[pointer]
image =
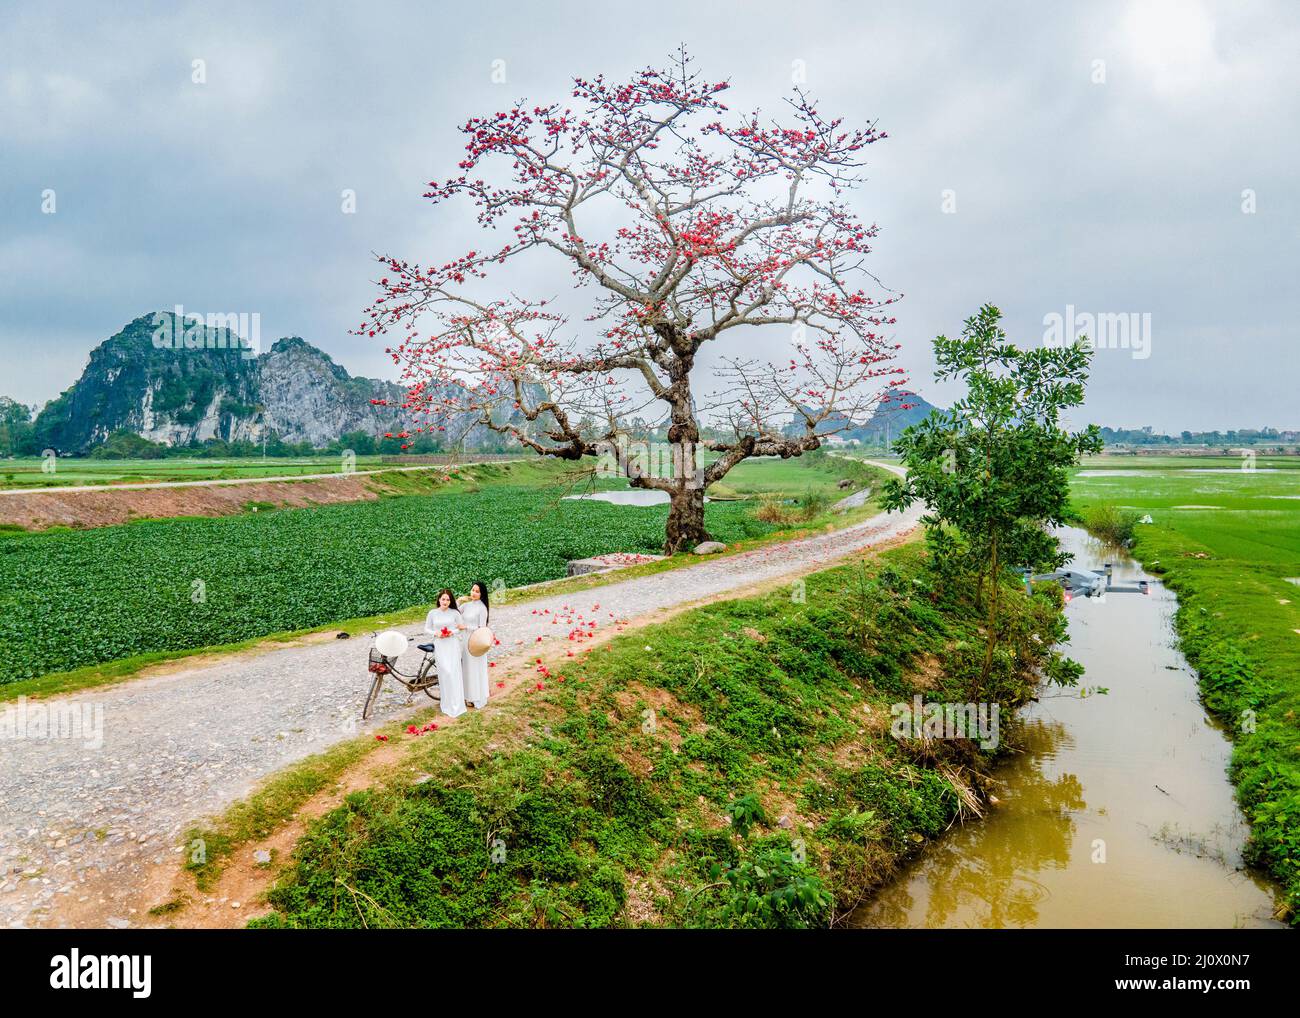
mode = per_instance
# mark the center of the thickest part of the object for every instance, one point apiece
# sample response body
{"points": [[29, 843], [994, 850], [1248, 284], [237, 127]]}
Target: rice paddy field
{"points": [[1237, 530], [1227, 541]]}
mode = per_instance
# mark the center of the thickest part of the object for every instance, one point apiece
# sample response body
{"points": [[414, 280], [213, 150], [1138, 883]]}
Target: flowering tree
{"points": [[685, 227]]}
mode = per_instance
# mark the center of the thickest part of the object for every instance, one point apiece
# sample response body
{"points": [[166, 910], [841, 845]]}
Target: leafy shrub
{"points": [[771, 889], [1111, 524], [812, 504]]}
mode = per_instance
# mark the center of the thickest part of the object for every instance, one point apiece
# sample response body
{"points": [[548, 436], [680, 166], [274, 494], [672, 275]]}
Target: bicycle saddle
{"points": [[426, 647]]}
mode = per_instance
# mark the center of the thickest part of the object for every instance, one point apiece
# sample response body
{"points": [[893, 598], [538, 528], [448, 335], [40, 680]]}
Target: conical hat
{"points": [[391, 643], [480, 641]]}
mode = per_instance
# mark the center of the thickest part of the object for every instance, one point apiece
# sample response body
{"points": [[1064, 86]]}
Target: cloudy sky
{"points": [[1124, 157]]}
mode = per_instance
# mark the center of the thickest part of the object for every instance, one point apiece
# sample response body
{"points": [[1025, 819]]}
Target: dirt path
{"points": [[85, 819]]}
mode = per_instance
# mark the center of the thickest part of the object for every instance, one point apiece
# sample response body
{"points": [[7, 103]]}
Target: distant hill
{"points": [[215, 387], [897, 410]]}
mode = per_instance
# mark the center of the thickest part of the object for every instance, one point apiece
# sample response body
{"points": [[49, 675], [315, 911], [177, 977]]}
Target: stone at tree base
{"points": [[709, 547], [604, 563]]}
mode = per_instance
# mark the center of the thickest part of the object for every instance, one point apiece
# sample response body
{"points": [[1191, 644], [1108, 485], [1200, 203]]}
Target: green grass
{"points": [[1238, 621], [729, 768], [1231, 461], [793, 478]]}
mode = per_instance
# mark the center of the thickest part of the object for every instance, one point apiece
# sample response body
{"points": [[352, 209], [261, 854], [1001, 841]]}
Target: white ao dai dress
{"points": [[447, 658], [475, 668]]}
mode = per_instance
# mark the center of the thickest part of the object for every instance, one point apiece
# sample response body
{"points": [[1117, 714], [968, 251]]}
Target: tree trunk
{"points": [[686, 506], [685, 519], [991, 640]]}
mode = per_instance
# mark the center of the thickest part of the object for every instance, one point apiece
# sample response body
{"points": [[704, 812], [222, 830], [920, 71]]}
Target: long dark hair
{"points": [[451, 594], [483, 596]]}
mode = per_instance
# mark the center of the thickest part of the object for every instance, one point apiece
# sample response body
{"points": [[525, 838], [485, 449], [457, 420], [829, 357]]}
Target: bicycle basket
{"points": [[379, 663]]}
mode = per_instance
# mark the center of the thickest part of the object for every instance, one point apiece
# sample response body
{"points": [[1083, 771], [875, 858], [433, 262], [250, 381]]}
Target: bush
{"points": [[770, 510], [1111, 524], [813, 504], [122, 445]]}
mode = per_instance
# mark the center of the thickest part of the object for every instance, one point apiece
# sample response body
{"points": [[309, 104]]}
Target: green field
{"points": [[749, 478], [1228, 543], [789, 478], [71, 599], [27, 473]]}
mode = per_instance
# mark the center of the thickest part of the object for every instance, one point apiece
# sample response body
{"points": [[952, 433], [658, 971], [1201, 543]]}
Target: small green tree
{"points": [[17, 433], [994, 469]]}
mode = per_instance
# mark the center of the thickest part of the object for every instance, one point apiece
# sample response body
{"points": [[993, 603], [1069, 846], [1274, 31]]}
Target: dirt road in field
{"points": [[99, 787]]}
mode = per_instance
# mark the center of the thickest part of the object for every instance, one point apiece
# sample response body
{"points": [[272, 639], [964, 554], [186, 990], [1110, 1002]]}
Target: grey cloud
{"points": [[1123, 196]]}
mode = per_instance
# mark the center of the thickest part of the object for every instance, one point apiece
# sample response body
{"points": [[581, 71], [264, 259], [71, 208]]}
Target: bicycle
{"points": [[424, 680]]}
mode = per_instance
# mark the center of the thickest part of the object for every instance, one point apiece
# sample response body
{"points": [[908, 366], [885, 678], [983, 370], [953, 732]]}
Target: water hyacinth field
{"points": [[71, 599]]}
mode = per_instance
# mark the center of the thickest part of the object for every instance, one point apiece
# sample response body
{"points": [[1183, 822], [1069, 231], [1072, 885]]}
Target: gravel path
{"points": [[184, 745]]}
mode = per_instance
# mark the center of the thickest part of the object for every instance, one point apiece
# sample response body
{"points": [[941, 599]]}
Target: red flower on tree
{"points": [[693, 230]]}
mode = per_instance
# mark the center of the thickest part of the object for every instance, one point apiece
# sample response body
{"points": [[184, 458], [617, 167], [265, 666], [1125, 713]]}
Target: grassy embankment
{"points": [[88, 607], [1228, 544], [731, 767]]}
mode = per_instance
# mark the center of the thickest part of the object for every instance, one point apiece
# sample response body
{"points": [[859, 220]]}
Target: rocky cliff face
{"points": [[201, 383], [306, 397]]}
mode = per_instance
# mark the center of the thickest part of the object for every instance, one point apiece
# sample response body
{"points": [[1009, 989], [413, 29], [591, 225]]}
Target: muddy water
{"points": [[1136, 778]]}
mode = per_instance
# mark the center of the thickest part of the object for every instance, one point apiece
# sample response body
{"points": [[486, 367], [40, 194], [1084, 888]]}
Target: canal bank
{"points": [[1117, 812]]}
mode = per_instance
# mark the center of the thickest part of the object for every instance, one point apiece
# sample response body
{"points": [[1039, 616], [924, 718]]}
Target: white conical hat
{"points": [[391, 643], [480, 641]]}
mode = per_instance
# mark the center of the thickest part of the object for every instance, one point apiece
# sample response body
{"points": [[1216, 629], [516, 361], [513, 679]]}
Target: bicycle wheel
{"points": [[372, 697], [431, 690]]}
